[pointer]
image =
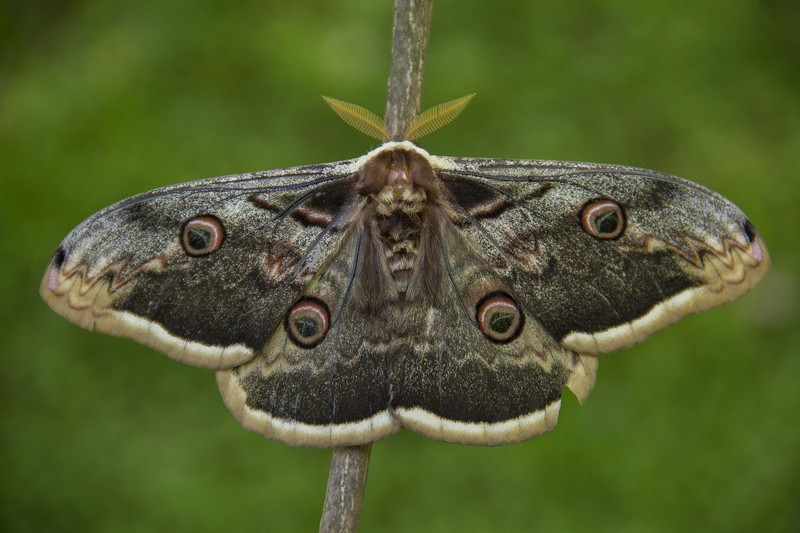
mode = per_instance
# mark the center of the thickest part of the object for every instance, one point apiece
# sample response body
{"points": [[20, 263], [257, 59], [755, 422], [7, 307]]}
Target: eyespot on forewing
{"points": [[603, 219], [202, 235]]}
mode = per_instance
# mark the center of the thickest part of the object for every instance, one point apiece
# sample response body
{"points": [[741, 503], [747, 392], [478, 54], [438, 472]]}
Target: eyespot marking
{"points": [[202, 235], [499, 317], [603, 219], [307, 322]]}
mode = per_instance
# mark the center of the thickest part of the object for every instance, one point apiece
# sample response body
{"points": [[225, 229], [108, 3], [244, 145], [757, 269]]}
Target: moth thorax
{"points": [[402, 186], [400, 194]]}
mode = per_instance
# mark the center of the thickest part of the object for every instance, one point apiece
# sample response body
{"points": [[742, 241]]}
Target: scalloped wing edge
{"points": [[389, 421], [89, 308], [736, 275], [382, 424]]}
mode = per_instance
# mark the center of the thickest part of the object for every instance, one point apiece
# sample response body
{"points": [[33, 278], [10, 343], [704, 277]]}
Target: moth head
{"points": [[398, 178]]}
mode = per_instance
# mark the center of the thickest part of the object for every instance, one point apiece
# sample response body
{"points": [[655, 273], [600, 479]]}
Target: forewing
{"points": [[683, 248], [128, 270]]}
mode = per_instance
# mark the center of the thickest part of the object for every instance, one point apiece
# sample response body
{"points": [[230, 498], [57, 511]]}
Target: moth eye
{"points": [[499, 317], [202, 235], [307, 322], [603, 219]]}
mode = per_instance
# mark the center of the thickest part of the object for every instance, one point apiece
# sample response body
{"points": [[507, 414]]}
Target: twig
{"points": [[412, 19], [412, 25], [346, 481]]}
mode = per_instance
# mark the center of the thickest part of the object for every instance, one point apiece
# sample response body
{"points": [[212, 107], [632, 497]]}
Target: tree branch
{"points": [[412, 25], [346, 481], [412, 19]]}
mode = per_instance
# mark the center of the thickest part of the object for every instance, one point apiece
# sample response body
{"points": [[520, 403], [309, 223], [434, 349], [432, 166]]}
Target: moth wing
{"points": [[453, 382], [683, 248], [319, 381], [518, 229], [141, 268]]}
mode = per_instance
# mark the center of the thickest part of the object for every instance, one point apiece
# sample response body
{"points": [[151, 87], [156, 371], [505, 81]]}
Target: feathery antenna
{"points": [[360, 118], [436, 117], [371, 124]]}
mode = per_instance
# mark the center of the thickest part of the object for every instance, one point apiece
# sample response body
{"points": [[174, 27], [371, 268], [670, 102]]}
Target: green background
{"points": [[697, 429]]}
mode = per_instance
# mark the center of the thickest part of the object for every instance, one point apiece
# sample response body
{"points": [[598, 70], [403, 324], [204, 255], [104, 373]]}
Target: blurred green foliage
{"points": [[697, 429]]}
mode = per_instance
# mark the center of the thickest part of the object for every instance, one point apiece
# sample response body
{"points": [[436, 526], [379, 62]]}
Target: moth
{"points": [[452, 296]]}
